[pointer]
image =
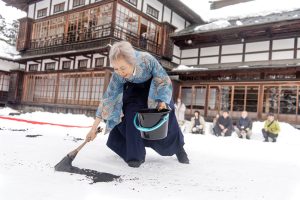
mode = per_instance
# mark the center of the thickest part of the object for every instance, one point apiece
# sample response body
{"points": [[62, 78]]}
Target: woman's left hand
{"points": [[161, 106]]}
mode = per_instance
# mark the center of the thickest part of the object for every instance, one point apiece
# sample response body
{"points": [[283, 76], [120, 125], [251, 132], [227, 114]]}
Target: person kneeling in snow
{"points": [[271, 128], [138, 82], [244, 126], [224, 125], [198, 123]]}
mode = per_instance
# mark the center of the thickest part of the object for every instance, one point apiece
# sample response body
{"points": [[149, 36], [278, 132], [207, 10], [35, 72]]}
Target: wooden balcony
{"points": [[79, 41]]}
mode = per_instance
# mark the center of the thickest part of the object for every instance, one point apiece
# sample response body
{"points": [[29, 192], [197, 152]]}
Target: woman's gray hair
{"points": [[123, 50]]}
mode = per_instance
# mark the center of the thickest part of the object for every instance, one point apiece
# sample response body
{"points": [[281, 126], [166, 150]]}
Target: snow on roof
{"points": [[257, 8], [213, 25], [8, 51], [186, 68]]}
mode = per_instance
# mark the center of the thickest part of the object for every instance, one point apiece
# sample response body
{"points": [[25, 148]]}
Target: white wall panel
{"points": [[231, 59], [257, 46], [178, 22], [189, 61], [167, 15], [175, 60], [176, 51], [283, 44], [189, 53], [256, 57], [282, 55], [209, 51], [235, 48], [210, 60], [31, 11]]}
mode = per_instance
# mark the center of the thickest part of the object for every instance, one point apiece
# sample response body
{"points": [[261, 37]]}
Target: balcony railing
{"points": [[89, 36]]}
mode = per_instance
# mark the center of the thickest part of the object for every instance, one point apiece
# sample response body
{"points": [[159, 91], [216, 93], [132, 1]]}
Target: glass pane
{"points": [[288, 100], [186, 96], [252, 98], [239, 97], [213, 99], [271, 99], [226, 93], [200, 94]]}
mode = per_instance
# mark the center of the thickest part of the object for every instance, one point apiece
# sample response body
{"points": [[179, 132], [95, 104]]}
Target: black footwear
{"points": [[274, 140], [247, 137], [182, 156], [266, 140], [135, 163], [240, 136]]}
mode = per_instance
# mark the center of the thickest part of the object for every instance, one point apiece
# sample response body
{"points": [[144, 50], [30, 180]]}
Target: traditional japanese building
{"points": [[64, 45], [247, 64]]}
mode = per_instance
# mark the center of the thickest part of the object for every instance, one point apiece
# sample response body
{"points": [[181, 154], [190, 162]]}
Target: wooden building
{"points": [[64, 45], [248, 64]]}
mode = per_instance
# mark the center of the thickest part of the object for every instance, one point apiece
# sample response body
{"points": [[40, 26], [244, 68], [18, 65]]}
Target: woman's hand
{"points": [[93, 134], [161, 105]]}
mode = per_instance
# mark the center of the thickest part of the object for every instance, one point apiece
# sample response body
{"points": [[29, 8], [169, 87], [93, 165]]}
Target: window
{"points": [[82, 63], [78, 3], [99, 62], [59, 7], [200, 95], [271, 99], [50, 66], [152, 12], [42, 13], [66, 65], [288, 100], [33, 67], [133, 2]]}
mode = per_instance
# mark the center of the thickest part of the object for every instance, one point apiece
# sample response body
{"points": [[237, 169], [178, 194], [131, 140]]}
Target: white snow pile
{"points": [[220, 168], [249, 9], [187, 68], [219, 24]]}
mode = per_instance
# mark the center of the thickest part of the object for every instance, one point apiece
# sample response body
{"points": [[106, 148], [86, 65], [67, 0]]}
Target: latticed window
{"points": [[99, 62], [42, 12], [66, 64], [78, 3], [82, 63], [133, 2], [59, 7], [152, 12], [33, 67], [50, 66]]}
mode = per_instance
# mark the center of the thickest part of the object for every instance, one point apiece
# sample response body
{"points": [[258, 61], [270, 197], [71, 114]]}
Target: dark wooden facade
{"points": [[59, 50]]}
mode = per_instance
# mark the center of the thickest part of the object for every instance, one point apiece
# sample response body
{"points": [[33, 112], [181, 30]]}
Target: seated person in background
{"points": [[198, 123], [271, 128], [244, 126], [224, 125]]}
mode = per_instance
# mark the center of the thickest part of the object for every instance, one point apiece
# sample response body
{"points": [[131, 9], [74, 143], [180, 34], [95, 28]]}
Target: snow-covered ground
{"points": [[221, 168]]}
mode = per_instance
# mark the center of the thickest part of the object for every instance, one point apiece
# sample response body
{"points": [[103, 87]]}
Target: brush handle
{"points": [[75, 151]]}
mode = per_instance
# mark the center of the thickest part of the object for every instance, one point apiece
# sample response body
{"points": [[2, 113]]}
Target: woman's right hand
{"points": [[92, 134]]}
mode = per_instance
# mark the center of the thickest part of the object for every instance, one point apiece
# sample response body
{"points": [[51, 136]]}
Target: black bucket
{"points": [[152, 124]]}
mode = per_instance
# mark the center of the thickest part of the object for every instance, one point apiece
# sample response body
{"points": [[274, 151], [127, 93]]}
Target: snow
{"points": [[213, 25], [8, 51], [186, 68], [221, 168], [243, 10]]}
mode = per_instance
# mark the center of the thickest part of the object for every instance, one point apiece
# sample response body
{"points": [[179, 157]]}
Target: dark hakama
{"points": [[125, 140]]}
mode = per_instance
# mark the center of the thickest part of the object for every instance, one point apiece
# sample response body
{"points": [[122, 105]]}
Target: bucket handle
{"points": [[158, 125]]}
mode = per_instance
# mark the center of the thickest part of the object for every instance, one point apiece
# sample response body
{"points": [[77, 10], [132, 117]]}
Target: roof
{"points": [[175, 5], [183, 10], [238, 23], [216, 4], [20, 4]]}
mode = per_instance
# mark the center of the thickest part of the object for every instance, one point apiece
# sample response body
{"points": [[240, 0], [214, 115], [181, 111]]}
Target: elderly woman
{"points": [[138, 82]]}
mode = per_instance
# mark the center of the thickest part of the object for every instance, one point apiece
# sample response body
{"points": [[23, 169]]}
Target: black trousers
{"points": [[267, 134]]}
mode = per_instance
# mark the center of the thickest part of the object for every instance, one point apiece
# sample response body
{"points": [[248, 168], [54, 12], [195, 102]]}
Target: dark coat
{"points": [[227, 123], [244, 123]]}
